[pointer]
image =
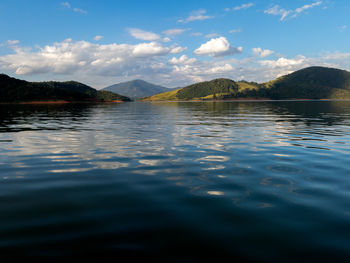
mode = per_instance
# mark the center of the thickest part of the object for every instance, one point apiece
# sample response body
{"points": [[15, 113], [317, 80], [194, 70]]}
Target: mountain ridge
{"points": [[308, 83], [136, 88], [14, 90]]}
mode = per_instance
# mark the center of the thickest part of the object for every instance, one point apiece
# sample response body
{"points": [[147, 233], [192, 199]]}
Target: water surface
{"points": [[176, 182]]}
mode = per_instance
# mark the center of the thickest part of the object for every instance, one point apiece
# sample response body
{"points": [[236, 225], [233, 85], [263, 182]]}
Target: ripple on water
{"points": [[261, 181]]}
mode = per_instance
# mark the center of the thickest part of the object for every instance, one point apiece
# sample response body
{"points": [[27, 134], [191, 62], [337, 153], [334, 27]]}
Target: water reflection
{"points": [[235, 172]]}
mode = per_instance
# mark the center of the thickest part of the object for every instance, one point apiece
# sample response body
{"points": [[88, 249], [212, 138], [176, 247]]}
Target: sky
{"points": [[170, 43]]}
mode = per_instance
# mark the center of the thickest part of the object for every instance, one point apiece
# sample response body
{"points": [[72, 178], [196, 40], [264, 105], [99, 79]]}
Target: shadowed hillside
{"points": [[15, 90], [311, 83]]}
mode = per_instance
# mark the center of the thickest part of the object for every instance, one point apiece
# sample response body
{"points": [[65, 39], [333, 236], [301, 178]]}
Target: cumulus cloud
{"points": [[69, 57], [177, 49], [190, 70], [217, 47], [195, 16], [184, 60], [262, 52], [143, 35], [220, 69], [278, 11], [103, 64], [174, 31], [250, 68], [97, 38], [284, 62], [150, 49]]}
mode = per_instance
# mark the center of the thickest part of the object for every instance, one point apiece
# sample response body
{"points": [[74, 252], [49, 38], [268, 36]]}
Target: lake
{"points": [[176, 182]]}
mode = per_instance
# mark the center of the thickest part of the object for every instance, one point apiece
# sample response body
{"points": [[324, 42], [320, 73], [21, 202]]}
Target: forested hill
{"points": [[15, 90], [308, 83], [312, 83]]}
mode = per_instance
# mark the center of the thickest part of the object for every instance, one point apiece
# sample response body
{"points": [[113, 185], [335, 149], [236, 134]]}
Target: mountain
{"points": [[308, 83], [136, 89], [209, 90], [312, 83], [15, 90]]}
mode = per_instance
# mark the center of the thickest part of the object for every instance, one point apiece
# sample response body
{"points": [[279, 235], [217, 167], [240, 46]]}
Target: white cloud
{"points": [[143, 35], [237, 30], [197, 15], [182, 60], [211, 35], [220, 69], [66, 4], [336, 56], [174, 31], [283, 62], [278, 11], [100, 65], [12, 42], [305, 7], [262, 52], [243, 6], [69, 57], [150, 49], [177, 49], [343, 28], [76, 10], [217, 47], [196, 34], [79, 10], [97, 38]]}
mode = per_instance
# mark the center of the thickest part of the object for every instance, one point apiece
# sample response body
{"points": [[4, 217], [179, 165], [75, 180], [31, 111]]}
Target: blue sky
{"points": [[172, 43]]}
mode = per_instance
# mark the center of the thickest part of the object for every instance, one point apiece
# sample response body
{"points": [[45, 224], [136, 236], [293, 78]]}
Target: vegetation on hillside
{"points": [[105, 95], [15, 90], [170, 95], [308, 83], [311, 83], [203, 89]]}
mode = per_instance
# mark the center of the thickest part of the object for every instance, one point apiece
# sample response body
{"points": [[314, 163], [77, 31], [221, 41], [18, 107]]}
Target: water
{"points": [[176, 182]]}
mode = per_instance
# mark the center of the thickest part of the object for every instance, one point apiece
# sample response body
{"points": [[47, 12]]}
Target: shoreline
{"points": [[58, 102], [48, 102], [244, 100]]}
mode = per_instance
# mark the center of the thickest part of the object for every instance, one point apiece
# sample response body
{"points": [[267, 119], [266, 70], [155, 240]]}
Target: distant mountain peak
{"points": [[136, 88]]}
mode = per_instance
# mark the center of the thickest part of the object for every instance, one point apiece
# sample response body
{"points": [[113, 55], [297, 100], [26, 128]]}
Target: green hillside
{"points": [[15, 90], [217, 87], [137, 89], [170, 95], [308, 83], [311, 83]]}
